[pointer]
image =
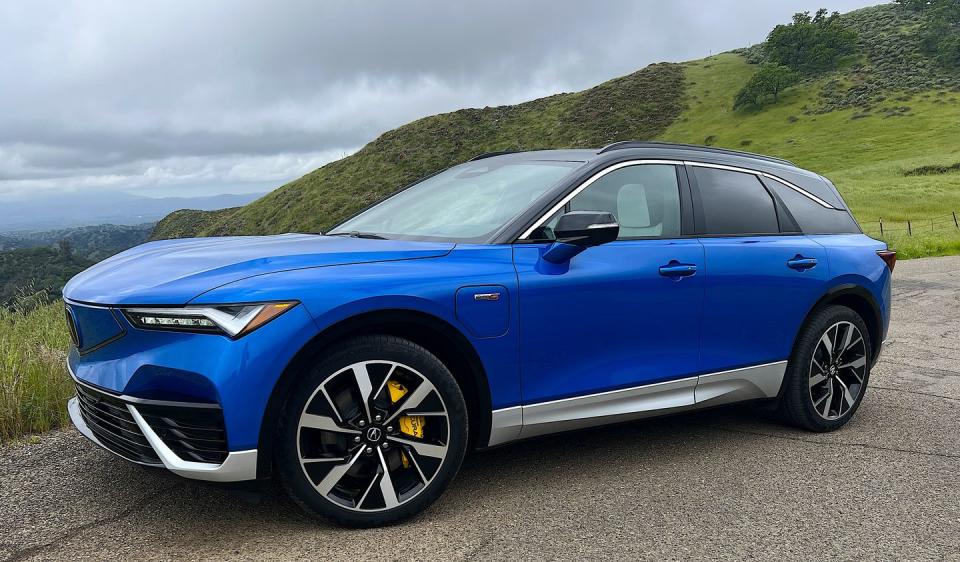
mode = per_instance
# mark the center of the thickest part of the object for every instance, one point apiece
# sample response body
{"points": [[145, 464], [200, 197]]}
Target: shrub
{"points": [[940, 36], [768, 82]]}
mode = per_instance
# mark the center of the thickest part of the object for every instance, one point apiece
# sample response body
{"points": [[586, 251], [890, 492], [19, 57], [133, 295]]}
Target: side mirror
{"points": [[578, 230]]}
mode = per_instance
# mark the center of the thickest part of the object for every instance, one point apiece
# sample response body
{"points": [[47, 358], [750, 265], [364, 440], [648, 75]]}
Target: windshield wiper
{"points": [[355, 234]]}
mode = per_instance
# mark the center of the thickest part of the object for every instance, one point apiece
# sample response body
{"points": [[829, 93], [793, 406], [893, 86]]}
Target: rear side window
{"points": [[735, 203], [812, 217]]}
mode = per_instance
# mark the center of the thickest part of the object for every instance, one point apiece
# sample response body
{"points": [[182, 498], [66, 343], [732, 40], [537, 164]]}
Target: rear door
{"points": [[763, 275]]}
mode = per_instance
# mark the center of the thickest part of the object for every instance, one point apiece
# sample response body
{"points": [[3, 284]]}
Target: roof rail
{"points": [[491, 154], [656, 144]]}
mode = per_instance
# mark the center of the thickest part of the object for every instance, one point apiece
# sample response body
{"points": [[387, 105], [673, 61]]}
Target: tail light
{"points": [[889, 257]]}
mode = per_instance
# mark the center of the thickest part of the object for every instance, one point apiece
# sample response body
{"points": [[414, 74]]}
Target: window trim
{"points": [[686, 182], [760, 174], [562, 204], [701, 227]]}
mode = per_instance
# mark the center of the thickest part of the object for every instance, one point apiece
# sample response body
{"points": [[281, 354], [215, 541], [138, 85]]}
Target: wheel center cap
{"points": [[374, 434]]}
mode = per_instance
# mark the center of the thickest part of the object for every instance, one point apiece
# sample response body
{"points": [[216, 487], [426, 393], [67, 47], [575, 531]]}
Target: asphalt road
{"points": [[722, 484]]}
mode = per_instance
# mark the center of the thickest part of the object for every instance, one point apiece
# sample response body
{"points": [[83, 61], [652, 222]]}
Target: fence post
{"points": [[955, 223], [881, 227], [909, 229]]}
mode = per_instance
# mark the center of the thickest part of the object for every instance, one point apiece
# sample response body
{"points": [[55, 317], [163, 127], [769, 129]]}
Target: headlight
{"points": [[232, 320]]}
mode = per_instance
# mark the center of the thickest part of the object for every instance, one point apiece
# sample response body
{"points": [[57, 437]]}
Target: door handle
{"points": [[801, 263], [677, 269]]}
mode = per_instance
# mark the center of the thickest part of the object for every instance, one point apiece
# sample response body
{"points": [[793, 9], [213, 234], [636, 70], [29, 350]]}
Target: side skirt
{"points": [[736, 385]]}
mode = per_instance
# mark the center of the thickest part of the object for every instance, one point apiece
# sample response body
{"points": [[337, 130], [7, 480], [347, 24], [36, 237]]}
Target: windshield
{"points": [[465, 203]]}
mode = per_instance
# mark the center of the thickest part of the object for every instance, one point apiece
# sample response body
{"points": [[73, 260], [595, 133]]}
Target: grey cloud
{"points": [[126, 95]]}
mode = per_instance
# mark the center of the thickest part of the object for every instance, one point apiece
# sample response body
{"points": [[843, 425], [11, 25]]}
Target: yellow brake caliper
{"points": [[409, 425]]}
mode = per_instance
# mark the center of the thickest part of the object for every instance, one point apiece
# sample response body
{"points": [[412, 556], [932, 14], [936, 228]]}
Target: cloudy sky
{"points": [[194, 98]]}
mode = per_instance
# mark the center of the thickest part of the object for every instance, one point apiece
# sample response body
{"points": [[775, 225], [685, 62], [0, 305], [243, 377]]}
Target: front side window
{"points": [[467, 203], [735, 203], [645, 198]]}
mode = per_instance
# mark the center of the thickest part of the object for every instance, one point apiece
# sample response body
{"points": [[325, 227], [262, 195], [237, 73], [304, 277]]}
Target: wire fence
{"points": [[913, 227]]}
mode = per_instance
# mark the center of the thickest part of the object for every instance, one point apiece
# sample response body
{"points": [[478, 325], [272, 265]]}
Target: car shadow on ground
{"points": [[503, 475]]}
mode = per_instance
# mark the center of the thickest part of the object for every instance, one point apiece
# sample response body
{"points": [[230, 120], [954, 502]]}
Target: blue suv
{"points": [[514, 295]]}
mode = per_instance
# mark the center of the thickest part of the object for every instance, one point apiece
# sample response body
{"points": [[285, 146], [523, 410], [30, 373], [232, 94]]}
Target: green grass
{"points": [[865, 157], [34, 384]]}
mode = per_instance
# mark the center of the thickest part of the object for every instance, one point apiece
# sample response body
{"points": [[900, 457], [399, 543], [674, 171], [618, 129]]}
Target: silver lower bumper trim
{"points": [[735, 385], [238, 466]]}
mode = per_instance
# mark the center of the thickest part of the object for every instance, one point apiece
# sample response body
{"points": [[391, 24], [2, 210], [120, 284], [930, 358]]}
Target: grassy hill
{"points": [[876, 126]]}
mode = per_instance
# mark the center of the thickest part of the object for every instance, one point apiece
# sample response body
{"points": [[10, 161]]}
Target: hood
{"points": [[172, 272]]}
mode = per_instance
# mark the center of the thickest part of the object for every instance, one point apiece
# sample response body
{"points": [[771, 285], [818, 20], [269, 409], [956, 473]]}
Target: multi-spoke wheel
{"points": [[837, 370], [375, 433], [827, 375]]}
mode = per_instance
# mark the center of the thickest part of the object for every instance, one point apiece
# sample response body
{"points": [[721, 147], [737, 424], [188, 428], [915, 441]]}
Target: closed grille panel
{"points": [[92, 327]]}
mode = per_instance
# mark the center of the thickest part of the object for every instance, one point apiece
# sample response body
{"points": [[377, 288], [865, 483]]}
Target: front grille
{"points": [[111, 423], [194, 434]]}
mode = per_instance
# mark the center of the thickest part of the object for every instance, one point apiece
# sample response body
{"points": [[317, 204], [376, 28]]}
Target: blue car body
{"points": [[557, 347]]}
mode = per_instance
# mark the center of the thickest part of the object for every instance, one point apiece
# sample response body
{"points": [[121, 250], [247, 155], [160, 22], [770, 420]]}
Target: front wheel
{"points": [[373, 434], [828, 372]]}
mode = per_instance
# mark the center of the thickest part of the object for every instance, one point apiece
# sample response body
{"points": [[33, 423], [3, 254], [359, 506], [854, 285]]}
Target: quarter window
{"points": [[735, 203], [645, 199], [812, 217]]}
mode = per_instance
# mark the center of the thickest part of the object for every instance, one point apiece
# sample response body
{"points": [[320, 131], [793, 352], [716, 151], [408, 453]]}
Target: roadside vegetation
{"points": [[34, 384]]}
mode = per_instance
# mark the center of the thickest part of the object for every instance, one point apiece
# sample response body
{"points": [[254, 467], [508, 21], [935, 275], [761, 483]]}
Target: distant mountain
{"points": [[65, 210], [89, 242]]}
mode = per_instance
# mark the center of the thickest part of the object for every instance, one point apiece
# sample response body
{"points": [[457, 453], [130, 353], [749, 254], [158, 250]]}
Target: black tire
{"points": [[293, 475], [799, 404]]}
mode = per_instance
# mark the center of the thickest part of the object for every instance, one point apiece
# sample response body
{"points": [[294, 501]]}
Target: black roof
{"points": [[590, 154], [620, 145]]}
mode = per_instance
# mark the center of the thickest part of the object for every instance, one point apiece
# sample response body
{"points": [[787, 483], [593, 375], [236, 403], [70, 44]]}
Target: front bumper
{"points": [[129, 436]]}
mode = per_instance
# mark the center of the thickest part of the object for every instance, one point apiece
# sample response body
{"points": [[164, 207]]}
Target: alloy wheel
{"points": [[837, 370], [373, 435]]}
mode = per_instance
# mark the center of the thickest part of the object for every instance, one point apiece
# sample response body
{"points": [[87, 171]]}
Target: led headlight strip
{"points": [[232, 320]]}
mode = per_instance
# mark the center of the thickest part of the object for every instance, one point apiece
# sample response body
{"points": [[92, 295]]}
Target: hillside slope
{"points": [[888, 111], [640, 105]]}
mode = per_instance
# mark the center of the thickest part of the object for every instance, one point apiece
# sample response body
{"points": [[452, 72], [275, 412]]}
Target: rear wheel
{"points": [[373, 434], [828, 373]]}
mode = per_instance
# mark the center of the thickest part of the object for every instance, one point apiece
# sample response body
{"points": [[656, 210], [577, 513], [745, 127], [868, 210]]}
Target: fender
{"points": [[873, 317], [455, 350]]}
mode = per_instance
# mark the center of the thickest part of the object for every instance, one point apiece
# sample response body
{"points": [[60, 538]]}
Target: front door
{"points": [[623, 315]]}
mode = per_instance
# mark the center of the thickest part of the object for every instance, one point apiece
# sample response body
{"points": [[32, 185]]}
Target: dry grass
{"points": [[34, 383]]}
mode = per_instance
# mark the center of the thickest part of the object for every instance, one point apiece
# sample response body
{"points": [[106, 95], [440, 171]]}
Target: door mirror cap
{"points": [[587, 228], [578, 230]]}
